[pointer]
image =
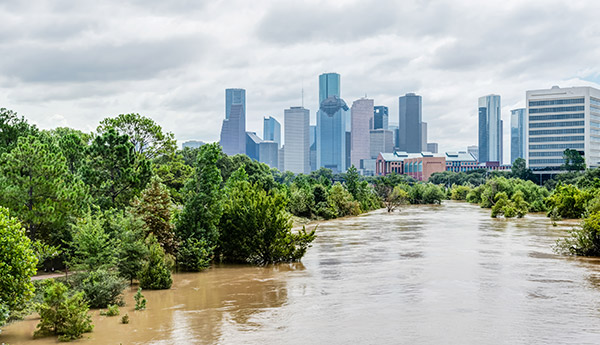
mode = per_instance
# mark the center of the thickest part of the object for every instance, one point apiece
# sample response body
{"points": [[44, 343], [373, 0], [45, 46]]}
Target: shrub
{"points": [[140, 300], [101, 287], [459, 192], [155, 274], [125, 319], [62, 315], [194, 255], [113, 310], [568, 201], [342, 202], [583, 241]]}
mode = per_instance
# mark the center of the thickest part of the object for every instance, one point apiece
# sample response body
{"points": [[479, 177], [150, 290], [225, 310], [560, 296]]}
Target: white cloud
{"points": [[172, 60]]}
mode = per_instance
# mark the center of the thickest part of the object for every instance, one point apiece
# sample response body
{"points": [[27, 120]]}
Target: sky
{"points": [[73, 63]]}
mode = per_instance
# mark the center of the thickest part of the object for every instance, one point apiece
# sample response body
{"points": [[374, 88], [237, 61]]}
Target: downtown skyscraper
{"points": [[331, 124], [362, 113], [490, 129], [272, 130], [410, 124], [233, 130], [517, 134], [297, 140]]}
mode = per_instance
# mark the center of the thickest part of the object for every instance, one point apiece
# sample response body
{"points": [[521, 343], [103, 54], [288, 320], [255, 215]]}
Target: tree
{"points": [[91, 247], [568, 201], [145, 135], [113, 171], [342, 201], [352, 181], [101, 287], [203, 209], [12, 128], [256, 228], [155, 275], [154, 208], [519, 170], [194, 255], [574, 161], [174, 173], [17, 265], [584, 240], [393, 197], [131, 254], [62, 315], [36, 185]]}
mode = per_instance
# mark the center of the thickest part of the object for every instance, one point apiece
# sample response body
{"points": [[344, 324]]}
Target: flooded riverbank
{"points": [[426, 275]]}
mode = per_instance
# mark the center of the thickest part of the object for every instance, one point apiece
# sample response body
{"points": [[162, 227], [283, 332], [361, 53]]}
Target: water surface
{"points": [[445, 274]]}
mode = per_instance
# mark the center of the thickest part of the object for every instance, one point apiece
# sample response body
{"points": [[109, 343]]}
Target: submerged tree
{"points": [[574, 161]]}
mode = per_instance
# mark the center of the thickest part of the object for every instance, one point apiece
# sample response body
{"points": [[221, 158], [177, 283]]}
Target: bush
{"points": [[194, 255], [568, 201], [583, 241], [140, 300], [62, 315], [125, 319], [155, 274], [101, 287], [459, 192], [342, 202], [113, 310]]}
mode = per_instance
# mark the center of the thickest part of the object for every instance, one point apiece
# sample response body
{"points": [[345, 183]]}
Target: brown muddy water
{"points": [[444, 274]]}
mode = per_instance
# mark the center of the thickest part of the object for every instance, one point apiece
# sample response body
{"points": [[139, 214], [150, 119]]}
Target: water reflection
{"points": [[445, 274]]}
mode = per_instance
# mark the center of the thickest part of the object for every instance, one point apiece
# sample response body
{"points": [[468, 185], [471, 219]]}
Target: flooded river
{"points": [[444, 274]]}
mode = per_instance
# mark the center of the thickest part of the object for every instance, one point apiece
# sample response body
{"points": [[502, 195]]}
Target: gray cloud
{"points": [[73, 63]]}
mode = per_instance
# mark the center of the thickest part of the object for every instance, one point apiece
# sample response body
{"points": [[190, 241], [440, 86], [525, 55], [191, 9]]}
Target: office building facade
{"points": [[329, 85], [490, 129], [272, 130], [558, 119], [409, 123], [331, 134], [233, 130], [297, 140], [269, 153], [380, 117], [517, 134], [362, 113]]}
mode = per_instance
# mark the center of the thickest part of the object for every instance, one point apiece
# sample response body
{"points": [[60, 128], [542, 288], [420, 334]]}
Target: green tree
{"points": [[256, 228], [194, 255], [36, 185], [174, 173], [12, 127], [352, 180], [147, 137], [342, 202], [584, 240], [203, 209], [62, 315], [101, 287], [154, 208], [459, 192], [393, 197], [113, 170], [155, 273], [132, 253], [519, 170], [17, 265], [92, 248], [574, 161], [567, 201]]}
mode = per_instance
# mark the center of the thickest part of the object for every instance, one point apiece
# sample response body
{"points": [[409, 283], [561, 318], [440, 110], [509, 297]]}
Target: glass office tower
{"points": [[490, 129], [233, 131], [517, 134]]}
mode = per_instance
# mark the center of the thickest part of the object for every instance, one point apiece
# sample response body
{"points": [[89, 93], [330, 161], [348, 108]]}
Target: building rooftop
{"points": [[459, 156]]}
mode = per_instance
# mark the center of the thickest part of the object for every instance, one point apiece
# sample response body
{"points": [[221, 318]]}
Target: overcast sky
{"points": [[72, 63]]}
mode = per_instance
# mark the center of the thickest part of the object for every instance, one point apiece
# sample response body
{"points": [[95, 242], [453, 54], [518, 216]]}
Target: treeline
{"points": [[574, 194]]}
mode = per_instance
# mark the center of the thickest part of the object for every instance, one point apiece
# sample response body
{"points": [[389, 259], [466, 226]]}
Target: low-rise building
{"points": [[421, 168], [461, 161]]}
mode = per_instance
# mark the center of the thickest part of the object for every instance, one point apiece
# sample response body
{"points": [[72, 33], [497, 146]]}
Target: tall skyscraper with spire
{"points": [[233, 130]]}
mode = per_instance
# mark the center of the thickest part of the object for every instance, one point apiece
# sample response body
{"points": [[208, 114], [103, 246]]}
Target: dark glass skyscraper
{"points": [[380, 117], [233, 131], [490, 129], [409, 123], [332, 118]]}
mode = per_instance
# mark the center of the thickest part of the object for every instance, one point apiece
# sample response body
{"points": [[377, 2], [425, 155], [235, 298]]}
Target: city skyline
{"points": [[74, 65]]}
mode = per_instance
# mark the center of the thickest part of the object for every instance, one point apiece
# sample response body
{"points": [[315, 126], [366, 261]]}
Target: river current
{"points": [[441, 274]]}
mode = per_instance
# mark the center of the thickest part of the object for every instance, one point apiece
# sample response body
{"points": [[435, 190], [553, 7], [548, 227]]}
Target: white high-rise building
{"points": [[558, 119], [361, 118], [297, 140]]}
